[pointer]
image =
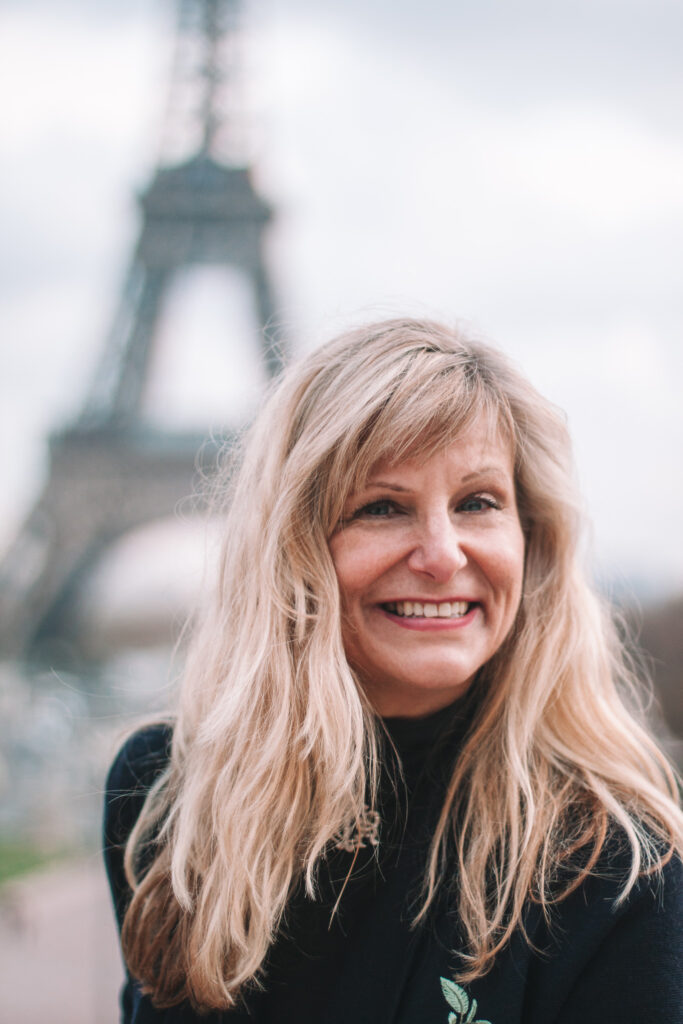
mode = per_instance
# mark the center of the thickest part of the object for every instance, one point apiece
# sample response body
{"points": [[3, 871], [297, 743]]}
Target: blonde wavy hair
{"points": [[276, 749]]}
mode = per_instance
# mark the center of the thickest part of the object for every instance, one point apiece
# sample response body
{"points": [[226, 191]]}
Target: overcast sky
{"points": [[519, 166]]}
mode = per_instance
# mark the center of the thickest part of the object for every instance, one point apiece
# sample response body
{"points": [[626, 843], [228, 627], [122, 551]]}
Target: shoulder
{"points": [[137, 765], [141, 758], [654, 911], [654, 892], [655, 900], [140, 761], [614, 958]]}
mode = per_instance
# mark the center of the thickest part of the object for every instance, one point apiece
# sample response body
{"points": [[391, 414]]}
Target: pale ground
{"points": [[59, 958]]}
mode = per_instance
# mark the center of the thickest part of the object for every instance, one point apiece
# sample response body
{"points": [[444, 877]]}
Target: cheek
{"points": [[505, 569], [513, 571], [359, 563], [348, 566]]}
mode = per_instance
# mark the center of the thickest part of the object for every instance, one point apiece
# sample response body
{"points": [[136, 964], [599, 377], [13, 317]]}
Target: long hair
{"points": [[275, 748]]}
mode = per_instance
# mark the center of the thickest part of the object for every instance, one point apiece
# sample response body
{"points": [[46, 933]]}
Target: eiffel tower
{"points": [[110, 471]]}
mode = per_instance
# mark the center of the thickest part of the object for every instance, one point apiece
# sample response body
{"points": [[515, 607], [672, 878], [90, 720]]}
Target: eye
{"points": [[375, 510], [478, 503]]}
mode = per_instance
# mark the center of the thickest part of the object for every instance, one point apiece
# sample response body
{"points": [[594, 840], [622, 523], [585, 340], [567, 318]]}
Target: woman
{"points": [[406, 781]]}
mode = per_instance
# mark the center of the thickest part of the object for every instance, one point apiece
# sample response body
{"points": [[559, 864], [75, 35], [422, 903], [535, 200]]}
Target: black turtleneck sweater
{"points": [[596, 964]]}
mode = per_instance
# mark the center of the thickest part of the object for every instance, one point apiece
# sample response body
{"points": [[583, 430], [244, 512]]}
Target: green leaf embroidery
{"points": [[457, 997]]}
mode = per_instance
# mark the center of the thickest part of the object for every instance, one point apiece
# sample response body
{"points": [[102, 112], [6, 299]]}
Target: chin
{"points": [[414, 697]]}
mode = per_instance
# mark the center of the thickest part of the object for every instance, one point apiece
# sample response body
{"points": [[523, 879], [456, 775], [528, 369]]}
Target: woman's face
{"points": [[430, 559]]}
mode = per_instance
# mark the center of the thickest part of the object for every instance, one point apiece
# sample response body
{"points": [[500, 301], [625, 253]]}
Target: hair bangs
{"points": [[436, 400]]}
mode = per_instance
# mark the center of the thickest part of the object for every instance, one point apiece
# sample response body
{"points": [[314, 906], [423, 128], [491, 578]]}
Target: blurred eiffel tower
{"points": [[110, 471]]}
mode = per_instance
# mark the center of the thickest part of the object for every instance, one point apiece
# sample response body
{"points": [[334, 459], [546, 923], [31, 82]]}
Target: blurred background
{"points": [[181, 181]]}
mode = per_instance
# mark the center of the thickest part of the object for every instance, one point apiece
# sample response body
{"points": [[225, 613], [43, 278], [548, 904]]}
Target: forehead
{"points": [[481, 447]]}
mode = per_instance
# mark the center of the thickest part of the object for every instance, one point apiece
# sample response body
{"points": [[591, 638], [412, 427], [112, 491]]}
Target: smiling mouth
{"points": [[428, 609]]}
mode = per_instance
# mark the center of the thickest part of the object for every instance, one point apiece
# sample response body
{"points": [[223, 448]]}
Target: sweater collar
{"points": [[414, 735]]}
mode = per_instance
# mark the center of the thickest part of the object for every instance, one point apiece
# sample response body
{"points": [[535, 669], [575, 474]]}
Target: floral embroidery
{"points": [[463, 1009], [354, 834]]}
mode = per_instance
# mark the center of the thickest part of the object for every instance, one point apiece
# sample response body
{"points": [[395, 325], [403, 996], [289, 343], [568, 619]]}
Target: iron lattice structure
{"points": [[110, 472]]}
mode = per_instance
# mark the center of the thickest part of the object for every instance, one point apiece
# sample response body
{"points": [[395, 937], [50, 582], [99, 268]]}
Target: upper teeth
{"points": [[444, 610]]}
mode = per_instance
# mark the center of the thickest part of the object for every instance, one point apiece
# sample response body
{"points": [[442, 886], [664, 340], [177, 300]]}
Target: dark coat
{"points": [[598, 963]]}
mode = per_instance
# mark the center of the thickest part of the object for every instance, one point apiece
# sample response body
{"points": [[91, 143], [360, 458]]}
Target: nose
{"points": [[438, 553]]}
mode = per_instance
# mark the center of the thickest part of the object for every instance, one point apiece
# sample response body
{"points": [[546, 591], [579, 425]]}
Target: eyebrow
{"points": [[498, 470], [388, 486]]}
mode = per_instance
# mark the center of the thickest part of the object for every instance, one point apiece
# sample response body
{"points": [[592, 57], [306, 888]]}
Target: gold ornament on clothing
{"points": [[358, 834]]}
